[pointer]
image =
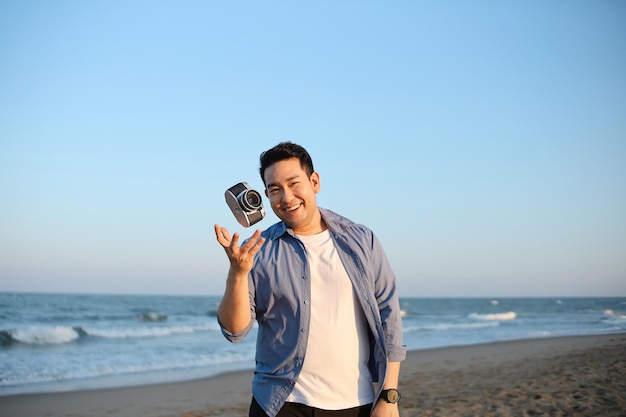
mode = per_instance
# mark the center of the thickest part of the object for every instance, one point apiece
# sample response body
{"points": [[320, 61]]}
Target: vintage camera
{"points": [[245, 203]]}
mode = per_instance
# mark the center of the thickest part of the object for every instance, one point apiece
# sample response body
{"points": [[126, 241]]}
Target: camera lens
{"points": [[251, 200]]}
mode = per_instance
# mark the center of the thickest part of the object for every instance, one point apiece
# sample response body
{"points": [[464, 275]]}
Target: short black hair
{"points": [[282, 151]]}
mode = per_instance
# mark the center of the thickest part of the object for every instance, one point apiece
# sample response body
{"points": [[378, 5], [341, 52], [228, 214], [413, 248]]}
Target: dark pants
{"points": [[301, 410]]}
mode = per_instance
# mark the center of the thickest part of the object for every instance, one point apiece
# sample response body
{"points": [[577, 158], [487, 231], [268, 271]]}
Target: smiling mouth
{"points": [[292, 208]]}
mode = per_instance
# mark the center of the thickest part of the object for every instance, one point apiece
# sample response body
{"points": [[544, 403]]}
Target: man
{"points": [[324, 296]]}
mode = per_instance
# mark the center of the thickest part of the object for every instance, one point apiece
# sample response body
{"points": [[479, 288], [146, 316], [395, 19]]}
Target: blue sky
{"points": [[484, 142]]}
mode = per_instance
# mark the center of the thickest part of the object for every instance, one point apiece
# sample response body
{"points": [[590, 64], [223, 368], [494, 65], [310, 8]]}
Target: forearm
{"points": [[234, 309], [382, 407], [393, 375]]}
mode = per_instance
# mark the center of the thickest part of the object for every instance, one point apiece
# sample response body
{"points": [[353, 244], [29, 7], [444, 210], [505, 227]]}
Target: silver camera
{"points": [[245, 203]]}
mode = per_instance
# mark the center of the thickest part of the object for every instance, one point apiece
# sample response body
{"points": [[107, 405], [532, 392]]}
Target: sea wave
{"points": [[615, 318], [142, 332], [204, 364], [449, 326], [511, 315], [612, 314], [41, 335], [56, 335], [151, 316]]}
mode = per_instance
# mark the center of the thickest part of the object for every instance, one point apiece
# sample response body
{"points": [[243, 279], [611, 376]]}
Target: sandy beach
{"points": [[569, 376]]}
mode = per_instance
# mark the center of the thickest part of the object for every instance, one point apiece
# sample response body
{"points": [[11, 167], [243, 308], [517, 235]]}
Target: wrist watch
{"points": [[391, 395]]}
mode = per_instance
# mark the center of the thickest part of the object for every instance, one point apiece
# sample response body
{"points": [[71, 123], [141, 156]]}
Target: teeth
{"points": [[292, 208]]}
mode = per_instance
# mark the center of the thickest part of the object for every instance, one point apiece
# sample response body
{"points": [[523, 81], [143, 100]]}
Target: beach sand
{"points": [[568, 376]]}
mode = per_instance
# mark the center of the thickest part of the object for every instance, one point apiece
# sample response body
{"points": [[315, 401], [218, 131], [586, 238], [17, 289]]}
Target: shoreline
{"points": [[569, 375]]}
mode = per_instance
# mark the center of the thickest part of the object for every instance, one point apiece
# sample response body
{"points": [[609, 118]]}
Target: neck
{"points": [[317, 226]]}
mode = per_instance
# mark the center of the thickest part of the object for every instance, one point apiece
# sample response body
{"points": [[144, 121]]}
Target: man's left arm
{"points": [[382, 407], [389, 307]]}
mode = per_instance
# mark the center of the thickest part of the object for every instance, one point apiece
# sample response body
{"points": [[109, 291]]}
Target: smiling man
{"points": [[324, 296]]}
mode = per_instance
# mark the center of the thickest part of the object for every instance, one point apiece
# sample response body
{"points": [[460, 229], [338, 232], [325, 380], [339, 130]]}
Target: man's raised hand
{"points": [[241, 257]]}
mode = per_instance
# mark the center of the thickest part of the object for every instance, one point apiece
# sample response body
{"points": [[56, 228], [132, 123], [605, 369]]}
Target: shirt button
{"points": [[306, 301], [302, 330]]}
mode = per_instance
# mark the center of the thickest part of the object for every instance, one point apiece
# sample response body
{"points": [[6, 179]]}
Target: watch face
{"points": [[393, 396]]}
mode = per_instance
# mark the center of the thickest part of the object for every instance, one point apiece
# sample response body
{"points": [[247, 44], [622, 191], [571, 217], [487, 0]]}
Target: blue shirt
{"points": [[280, 293]]}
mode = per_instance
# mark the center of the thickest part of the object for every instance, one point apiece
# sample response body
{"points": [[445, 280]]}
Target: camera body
{"points": [[245, 203]]}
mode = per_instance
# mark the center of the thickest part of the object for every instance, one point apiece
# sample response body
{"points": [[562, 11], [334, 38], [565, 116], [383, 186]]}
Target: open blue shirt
{"points": [[280, 294]]}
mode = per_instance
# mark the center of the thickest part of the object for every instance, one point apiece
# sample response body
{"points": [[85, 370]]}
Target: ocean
{"points": [[63, 342]]}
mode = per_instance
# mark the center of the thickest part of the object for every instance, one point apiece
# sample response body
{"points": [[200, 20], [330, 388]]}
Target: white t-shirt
{"points": [[335, 374]]}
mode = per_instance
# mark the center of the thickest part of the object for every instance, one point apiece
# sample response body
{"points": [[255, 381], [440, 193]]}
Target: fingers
{"points": [[219, 231], [257, 246], [254, 243], [224, 238], [241, 258], [222, 235]]}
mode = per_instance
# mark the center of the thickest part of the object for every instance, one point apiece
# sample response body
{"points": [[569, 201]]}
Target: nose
{"points": [[287, 195]]}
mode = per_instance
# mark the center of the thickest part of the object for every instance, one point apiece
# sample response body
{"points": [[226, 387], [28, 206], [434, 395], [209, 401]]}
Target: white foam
{"points": [[615, 318], [511, 315], [41, 335], [450, 326], [612, 314], [142, 332]]}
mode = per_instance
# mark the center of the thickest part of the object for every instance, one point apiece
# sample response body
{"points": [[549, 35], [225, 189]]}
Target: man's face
{"points": [[292, 196]]}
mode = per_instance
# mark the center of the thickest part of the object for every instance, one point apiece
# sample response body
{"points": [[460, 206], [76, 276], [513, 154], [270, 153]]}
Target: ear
{"points": [[266, 193], [315, 181]]}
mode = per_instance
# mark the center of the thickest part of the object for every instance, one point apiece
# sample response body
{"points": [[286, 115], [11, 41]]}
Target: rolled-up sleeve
{"points": [[388, 304], [236, 337]]}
